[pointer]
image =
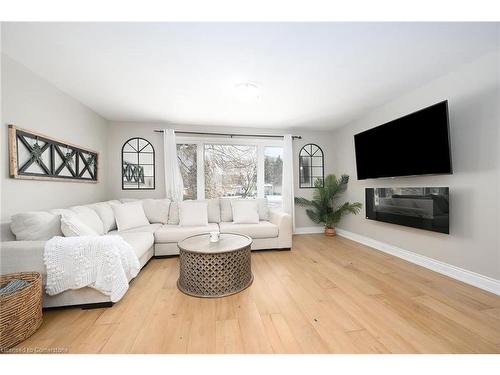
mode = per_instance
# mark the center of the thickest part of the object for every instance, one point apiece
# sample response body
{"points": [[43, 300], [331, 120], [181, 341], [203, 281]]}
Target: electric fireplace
{"points": [[418, 207]]}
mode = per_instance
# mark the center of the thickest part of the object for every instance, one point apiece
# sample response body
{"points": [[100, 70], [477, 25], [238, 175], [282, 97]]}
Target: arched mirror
{"points": [[138, 165], [311, 166]]}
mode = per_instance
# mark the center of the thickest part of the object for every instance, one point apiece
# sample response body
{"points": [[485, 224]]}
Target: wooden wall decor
{"points": [[35, 156]]}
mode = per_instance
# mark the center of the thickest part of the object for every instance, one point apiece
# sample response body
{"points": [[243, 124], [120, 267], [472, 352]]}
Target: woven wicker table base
{"points": [[212, 272]]}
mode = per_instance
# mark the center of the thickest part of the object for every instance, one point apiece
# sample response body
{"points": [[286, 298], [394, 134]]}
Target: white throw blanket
{"points": [[105, 263]]}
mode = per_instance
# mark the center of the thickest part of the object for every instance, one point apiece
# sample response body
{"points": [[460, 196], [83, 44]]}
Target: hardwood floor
{"points": [[327, 295]]}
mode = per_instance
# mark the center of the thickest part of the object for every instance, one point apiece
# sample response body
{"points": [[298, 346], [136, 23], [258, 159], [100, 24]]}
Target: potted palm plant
{"points": [[324, 208]]}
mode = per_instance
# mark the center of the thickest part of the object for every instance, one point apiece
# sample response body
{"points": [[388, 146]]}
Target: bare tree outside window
{"points": [[186, 153], [273, 175], [230, 171]]}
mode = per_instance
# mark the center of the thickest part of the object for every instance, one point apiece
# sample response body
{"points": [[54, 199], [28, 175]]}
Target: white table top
{"points": [[228, 242]]}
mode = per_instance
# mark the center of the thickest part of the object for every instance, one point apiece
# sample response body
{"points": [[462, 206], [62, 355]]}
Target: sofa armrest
{"points": [[284, 223], [22, 256]]}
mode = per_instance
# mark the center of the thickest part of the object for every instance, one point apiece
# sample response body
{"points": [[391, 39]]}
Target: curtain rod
{"points": [[234, 135]]}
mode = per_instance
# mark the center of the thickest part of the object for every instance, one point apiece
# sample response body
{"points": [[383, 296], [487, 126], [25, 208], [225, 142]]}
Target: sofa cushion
{"points": [[141, 242], [213, 211], [89, 217], [245, 211], [193, 213], [264, 229], [156, 210], [36, 226], [173, 214], [62, 211], [150, 228], [130, 215], [106, 214], [72, 226], [226, 211], [128, 200], [174, 233], [227, 214]]}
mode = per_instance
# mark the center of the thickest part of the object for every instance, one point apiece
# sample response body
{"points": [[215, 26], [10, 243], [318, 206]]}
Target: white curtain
{"points": [[174, 187], [287, 189]]}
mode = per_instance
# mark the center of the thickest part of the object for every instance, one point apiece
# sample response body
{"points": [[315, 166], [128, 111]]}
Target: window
{"points": [[311, 166], [273, 175], [230, 171], [138, 165], [221, 167], [186, 153]]}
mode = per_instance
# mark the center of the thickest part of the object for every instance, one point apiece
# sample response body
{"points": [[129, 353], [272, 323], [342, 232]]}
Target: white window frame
{"points": [[261, 144]]}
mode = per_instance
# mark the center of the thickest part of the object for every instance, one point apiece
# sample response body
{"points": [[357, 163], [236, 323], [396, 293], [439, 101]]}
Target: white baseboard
{"points": [[309, 230], [480, 281]]}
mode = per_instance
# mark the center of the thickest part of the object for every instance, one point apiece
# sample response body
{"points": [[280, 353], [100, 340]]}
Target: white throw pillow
{"points": [[106, 214], [35, 226], [89, 217], [213, 209], [193, 213], [62, 211], [72, 226], [156, 210], [245, 211], [130, 215], [226, 208]]}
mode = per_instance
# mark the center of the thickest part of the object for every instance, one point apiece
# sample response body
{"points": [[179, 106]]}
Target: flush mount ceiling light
{"points": [[247, 92]]}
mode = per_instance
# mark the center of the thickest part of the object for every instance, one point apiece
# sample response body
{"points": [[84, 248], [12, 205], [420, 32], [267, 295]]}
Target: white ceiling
{"points": [[314, 75]]}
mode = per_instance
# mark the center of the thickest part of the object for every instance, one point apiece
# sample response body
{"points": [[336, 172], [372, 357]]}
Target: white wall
{"points": [[32, 103], [120, 132], [474, 106]]}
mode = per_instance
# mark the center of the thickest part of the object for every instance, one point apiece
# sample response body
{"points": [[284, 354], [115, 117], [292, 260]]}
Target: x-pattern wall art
{"points": [[38, 157]]}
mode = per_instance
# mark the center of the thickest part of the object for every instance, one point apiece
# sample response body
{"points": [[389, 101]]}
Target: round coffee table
{"points": [[214, 269]]}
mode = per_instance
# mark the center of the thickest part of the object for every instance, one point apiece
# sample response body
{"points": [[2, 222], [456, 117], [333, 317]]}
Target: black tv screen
{"points": [[416, 144]]}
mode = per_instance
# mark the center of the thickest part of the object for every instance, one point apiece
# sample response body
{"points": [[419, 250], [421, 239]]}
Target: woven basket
{"points": [[20, 311]]}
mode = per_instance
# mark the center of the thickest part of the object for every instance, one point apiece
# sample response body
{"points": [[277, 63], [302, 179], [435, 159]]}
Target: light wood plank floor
{"points": [[327, 295]]}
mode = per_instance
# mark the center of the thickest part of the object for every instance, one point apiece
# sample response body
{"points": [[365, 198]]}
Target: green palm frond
{"points": [[303, 202], [321, 208], [314, 216]]}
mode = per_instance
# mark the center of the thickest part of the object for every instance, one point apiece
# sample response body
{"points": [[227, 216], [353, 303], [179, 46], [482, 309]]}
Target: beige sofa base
{"points": [[282, 241], [27, 257], [86, 297], [171, 249]]}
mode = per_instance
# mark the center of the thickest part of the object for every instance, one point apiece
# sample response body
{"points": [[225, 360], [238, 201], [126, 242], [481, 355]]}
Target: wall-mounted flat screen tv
{"points": [[416, 144]]}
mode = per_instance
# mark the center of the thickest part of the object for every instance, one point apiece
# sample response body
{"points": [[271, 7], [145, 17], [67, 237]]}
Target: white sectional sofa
{"points": [[23, 239]]}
